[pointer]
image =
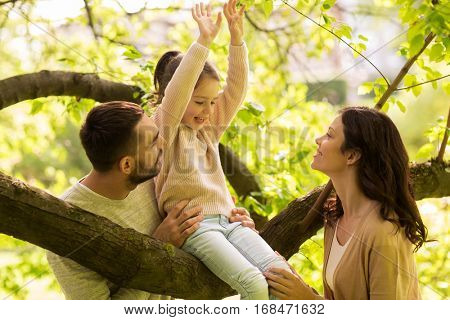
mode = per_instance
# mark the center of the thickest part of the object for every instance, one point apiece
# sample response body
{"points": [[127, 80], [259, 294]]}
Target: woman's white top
{"points": [[336, 253]]}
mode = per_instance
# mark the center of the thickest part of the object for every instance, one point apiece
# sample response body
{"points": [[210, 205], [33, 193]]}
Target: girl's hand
{"points": [[243, 216], [235, 21], [288, 286], [208, 28]]}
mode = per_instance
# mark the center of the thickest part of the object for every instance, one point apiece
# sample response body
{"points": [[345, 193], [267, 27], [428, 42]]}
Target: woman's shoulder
{"points": [[378, 229]]}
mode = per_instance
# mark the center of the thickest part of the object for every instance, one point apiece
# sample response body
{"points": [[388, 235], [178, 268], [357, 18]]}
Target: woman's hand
{"points": [[208, 28], [287, 286], [235, 21]]}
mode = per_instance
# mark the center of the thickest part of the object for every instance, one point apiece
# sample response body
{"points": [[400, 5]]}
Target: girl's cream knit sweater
{"points": [[191, 166]]}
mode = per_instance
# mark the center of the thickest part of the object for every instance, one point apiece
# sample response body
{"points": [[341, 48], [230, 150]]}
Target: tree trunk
{"points": [[134, 260]]}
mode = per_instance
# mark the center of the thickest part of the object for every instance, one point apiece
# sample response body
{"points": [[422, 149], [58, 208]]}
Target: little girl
{"points": [[192, 117]]}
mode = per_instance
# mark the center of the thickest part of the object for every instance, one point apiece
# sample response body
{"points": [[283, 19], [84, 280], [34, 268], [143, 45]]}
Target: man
{"points": [[124, 147]]}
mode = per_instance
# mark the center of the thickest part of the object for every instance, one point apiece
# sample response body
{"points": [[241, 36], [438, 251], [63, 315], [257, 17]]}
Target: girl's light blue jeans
{"points": [[236, 254]]}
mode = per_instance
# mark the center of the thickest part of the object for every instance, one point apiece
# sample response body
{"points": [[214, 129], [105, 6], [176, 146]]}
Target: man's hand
{"points": [[179, 224], [243, 216]]}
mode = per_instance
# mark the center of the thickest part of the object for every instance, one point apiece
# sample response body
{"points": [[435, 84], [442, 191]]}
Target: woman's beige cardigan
{"points": [[378, 263]]}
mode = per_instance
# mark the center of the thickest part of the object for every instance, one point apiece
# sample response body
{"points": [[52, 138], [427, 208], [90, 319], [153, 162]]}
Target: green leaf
{"points": [[425, 152], [361, 47], [328, 19], [362, 37], [416, 44], [446, 87], [365, 88], [254, 108], [132, 53], [446, 42], [410, 80], [344, 31], [328, 4], [245, 116], [434, 85], [436, 52], [36, 106], [431, 75], [267, 7], [403, 51], [416, 90], [401, 106]]}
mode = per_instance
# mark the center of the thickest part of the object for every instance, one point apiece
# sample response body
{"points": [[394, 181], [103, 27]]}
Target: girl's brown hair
{"points": [[166, 67]]}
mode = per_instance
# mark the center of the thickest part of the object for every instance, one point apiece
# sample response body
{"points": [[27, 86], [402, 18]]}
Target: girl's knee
{"points": [[276, 262]]}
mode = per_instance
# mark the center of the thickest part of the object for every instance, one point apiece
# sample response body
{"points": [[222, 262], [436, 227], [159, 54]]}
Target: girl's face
{"points": [[329, 158], [202, 104]]}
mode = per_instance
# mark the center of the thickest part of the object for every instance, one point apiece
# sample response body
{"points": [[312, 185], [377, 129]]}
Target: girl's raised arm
{"points": [[180, 88], [235, 89]]}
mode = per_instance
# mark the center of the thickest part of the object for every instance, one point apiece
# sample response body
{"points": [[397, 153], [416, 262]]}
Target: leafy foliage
{"points": [[274, 131]]}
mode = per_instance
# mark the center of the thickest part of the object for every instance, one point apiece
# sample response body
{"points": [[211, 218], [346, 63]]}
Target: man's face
{"points": [[148, 151]]}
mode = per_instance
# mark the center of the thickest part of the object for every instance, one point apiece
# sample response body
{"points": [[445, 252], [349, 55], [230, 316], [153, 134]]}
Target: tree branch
{"points": [[6, 2], [131, 259], [97, 34], [334, 34], [266, 30], [403, 73], [123, 255], [5, 19], [419, 84], [441, 153], [61, 83], [90, 18]]}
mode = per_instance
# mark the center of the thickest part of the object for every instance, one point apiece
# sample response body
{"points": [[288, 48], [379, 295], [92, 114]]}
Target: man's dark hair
{"points": [[108, 133]]}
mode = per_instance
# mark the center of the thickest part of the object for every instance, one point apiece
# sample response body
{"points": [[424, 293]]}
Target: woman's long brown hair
{"points": [[383, 170]]}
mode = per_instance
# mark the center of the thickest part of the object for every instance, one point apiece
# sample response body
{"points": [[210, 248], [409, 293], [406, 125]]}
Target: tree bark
{"points": [[62, 83], [134, 260], [125, 256]]}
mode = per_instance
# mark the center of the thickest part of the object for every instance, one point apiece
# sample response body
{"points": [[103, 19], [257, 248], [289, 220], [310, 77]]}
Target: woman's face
{"points": [[329, 158]]}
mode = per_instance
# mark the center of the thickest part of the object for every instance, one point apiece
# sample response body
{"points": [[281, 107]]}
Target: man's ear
{"points": [[353, 156], [126, 164]]}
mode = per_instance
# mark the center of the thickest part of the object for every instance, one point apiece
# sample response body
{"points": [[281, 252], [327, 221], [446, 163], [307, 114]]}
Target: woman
{"points": [[373, 224]]}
